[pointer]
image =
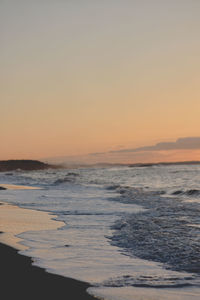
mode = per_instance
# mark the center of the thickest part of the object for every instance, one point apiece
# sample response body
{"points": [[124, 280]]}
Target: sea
{"points": [[131, 232]]}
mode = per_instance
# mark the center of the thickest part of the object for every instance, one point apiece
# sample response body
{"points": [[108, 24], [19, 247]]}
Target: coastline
{"points": [[16, 220], [19, 278]]}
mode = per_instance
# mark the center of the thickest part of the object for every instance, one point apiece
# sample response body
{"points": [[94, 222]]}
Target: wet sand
{"points": [[21, 280], [15, 220]]}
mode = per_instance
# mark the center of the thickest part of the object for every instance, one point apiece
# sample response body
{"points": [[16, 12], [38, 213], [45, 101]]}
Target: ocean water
{"points": [[133, 233]]}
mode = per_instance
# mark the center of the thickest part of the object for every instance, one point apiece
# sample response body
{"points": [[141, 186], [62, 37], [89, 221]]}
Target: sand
{"points": [[19, 279], [15, 220]]}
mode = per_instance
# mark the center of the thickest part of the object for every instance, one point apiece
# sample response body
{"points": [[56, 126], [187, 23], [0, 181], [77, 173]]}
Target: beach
{"points": [[112, 233], [19, 278], [15, 220]]}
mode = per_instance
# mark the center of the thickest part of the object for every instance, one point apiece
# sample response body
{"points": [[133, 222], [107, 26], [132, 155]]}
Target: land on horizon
{"points": [[26, 165], [33, 165]]}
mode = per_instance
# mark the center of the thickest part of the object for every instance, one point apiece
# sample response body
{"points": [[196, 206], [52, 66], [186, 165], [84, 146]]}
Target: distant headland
{"points": [[25, 165], [33, 165]]}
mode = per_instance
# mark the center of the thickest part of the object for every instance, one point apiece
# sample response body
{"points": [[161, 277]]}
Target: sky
{"points": [[81, 77]]}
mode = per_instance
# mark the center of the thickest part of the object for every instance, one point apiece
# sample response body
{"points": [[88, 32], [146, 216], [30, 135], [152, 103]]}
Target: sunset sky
{"points": [[90, 76]]}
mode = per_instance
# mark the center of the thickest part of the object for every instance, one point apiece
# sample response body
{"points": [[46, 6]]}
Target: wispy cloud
{"points": [[188, 143], [181, 150]]}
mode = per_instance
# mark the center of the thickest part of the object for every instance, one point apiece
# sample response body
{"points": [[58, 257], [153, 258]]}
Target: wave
{"points": [[152, 281], [63, 180], [162, 232], [192, 192], [82, 213], [70, 177], [112, 187]]}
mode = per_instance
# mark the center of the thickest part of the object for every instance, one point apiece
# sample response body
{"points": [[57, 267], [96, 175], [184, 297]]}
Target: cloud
{"points": [[97, 153], [160, 152], [188, 143]]}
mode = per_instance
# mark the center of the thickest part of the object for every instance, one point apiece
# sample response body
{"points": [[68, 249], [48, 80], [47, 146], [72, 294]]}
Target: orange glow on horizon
{"points": [[129, 80]]}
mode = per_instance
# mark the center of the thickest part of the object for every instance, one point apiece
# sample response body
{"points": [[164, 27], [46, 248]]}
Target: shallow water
{"points": [[128, 231]]}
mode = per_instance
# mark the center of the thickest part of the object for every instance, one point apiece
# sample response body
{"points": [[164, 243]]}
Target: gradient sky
{"points": [[84, 76]]}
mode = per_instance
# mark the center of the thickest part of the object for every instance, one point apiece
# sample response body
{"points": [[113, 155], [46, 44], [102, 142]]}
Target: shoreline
{"points": [[16, 220], [21, 280]]}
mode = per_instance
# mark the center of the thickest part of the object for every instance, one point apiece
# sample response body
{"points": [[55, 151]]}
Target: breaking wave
{"points": [[192, 192], [162, 233], [70, 177], [152, 281]]}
